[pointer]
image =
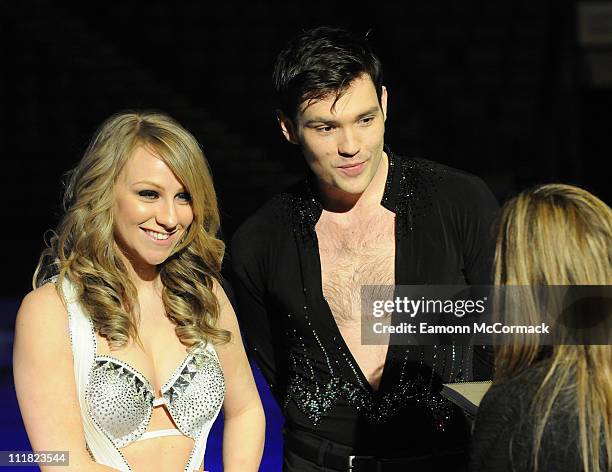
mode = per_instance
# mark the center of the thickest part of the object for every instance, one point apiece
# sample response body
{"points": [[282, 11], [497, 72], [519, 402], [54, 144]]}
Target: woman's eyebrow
{"points": [[148, 182]]}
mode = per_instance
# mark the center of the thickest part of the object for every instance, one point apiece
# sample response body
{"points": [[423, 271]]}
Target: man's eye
{"points": [[367, 120], [184, 196], [325, 129], [148, 194]]}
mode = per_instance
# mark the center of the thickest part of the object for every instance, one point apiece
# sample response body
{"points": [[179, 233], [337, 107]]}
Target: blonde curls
{"points": [[83, 247]]}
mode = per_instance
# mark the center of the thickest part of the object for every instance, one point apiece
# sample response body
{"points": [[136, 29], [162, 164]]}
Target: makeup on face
{"points": [[152, 209]]}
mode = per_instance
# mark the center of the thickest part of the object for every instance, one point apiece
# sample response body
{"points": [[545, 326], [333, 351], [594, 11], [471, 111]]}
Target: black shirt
{"points": [[443, 236]]}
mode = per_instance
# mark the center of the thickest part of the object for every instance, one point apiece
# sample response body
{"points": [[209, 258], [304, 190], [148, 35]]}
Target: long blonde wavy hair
{"points": [[84, 250], [559, 234]]}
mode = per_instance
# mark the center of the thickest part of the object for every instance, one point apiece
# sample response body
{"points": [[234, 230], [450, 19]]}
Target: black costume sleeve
{"points": [[249, 284], [477, 232]]}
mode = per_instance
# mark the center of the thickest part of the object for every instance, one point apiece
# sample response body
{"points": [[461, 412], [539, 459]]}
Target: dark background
{"points": [[502, 89], [511, 90]]}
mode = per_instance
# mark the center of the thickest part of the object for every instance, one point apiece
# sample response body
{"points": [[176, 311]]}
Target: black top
{"points": [[443, 222], [503, 435]]}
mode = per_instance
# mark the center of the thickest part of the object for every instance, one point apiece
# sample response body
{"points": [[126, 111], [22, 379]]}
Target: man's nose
{"points": [[348, 144]]}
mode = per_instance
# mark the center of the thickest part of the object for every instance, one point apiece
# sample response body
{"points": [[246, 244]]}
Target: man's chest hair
{"points": [[355, 256]]}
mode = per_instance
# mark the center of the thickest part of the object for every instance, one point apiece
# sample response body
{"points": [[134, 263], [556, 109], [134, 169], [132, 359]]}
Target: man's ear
{"points": [[287, 127], [383, 101]]}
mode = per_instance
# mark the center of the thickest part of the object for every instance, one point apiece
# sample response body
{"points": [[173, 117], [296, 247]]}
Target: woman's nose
{"points": [[167, 215]]}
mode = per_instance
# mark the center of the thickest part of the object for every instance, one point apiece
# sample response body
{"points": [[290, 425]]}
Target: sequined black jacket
{"points": [[443, 236]]}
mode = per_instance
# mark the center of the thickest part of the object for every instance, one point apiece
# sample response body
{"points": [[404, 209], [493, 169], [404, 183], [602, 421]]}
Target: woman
{"points": [[550, 407], [126, 355]]}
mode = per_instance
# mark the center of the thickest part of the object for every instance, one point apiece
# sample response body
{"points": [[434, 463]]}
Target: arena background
{"points": [[516, 91]]}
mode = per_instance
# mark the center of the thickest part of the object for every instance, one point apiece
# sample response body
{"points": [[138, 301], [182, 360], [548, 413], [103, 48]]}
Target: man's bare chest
{"points": [[352, 257]]}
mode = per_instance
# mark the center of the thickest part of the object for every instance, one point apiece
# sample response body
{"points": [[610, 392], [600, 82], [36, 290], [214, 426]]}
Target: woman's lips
{"points": [[161, 242], [353, 170]]}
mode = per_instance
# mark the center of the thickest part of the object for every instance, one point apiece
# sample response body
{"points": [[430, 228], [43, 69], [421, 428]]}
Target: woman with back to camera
{"points": [[126, 356], [550, 407]]}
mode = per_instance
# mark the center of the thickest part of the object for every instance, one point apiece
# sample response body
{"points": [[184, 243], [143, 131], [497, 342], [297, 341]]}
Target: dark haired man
{"points": [[364, 216]]}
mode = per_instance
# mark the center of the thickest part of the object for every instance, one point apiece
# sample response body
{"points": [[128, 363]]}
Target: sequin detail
{"points": [[417, 185], [120, 399], [195, 394], [315, 399], [117, 398]]}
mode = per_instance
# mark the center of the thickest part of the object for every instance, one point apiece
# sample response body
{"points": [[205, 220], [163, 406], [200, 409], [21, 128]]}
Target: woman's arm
{"points": [[245, 424], [44, 380]]}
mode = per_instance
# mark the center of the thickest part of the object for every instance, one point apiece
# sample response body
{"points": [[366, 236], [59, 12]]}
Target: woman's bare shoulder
{"points": [[46, 293], [43, 307], [219, 292]]}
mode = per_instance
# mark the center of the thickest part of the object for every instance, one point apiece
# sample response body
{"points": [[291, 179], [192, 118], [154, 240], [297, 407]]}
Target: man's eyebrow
{"points": [[371, 111], [320, 119], [327, 121]]}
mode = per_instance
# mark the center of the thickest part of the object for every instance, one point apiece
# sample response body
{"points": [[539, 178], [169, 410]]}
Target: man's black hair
{"points": [[320, 62]]}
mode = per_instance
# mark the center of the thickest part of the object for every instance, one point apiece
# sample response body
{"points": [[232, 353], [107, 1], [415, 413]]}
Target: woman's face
{"points": [[152, 210]]}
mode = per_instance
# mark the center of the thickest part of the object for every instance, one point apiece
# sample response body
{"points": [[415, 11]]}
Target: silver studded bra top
{"points": [[121, 400]]}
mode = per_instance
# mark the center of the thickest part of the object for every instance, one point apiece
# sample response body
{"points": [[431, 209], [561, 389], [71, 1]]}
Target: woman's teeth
{"points": [[156, 235]]}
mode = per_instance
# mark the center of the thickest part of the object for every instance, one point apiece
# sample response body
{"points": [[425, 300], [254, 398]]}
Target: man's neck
{"points": [[336, 201]]}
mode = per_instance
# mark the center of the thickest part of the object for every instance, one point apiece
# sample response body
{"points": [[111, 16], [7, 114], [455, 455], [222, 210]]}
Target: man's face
{"points": [[342, 142]]}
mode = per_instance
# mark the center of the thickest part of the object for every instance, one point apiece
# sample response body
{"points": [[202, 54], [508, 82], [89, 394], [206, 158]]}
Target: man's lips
{"points": [[351, 165], [352, 169]]}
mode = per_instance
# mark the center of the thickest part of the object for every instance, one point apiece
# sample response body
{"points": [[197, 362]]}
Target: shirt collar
{"points": [[389, 198]]}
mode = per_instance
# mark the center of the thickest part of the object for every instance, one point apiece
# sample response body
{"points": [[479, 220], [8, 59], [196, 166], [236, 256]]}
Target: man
{"points": [[364, 216]]}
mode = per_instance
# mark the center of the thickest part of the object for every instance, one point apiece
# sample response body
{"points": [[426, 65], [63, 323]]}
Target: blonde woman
{"points": [[128, 347], [550, 407]]}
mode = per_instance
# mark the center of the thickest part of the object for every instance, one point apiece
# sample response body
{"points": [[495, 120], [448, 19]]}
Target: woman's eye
{"points": [[184, 196], [148, 194]]}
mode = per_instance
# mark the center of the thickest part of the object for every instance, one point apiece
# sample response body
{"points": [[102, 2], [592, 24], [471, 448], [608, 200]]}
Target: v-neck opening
{"points": [[388, 202], [334, 325]]}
